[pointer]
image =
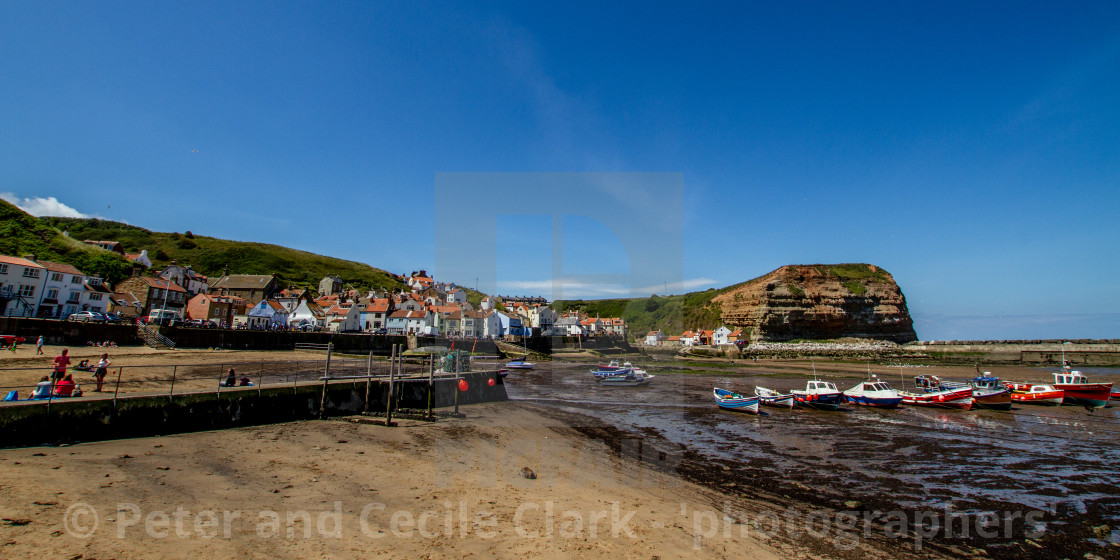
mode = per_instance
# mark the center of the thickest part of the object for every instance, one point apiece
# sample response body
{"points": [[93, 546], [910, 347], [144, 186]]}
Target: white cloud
{"points": [[39, 206]]}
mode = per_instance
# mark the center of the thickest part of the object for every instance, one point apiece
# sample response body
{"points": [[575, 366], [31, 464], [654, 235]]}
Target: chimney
{"points": [[30, 257]]}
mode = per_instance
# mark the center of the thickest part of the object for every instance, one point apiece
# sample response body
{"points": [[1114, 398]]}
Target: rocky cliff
{"points": [[819, 302]]}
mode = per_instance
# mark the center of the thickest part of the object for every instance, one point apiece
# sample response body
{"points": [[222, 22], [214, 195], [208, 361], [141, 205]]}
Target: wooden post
{"points": [[431, 375], [260, 381], [117, 387], [458, 376], [389, 399], [221, 378], [369, 381], [171, 393], [327, 370]]}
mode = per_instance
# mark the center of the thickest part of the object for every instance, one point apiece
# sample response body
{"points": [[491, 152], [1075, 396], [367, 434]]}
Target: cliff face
{"points": [[820, 302]]}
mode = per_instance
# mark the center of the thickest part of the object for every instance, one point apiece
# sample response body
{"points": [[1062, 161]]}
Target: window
{"points": [[52, 294], [56, 277], [26, 291], [75, 297], [76, 280], [3, 269], [30, 272], [95, 297]]}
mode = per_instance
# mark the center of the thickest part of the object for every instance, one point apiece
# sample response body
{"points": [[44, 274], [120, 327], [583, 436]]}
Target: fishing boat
{"points": [[729, 400], [931, 391], [503, 372], [1030, 393], [822, 395], [989, 392], [1078, 390], [628, 379], [873, 392], [770, 397], [614, 369], [520, 364]]}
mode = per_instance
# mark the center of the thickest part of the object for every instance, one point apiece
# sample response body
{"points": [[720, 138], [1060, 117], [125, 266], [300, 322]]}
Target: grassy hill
{"points": [[210, 255], [671, 314], [22, 234]]}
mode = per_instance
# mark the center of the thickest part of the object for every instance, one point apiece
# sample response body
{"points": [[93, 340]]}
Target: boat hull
{"points": [[994, 401], [784, 401], [961, 399], [1090, 395], [819, 401], [877, 402], [1048, 398], [735, 402]]}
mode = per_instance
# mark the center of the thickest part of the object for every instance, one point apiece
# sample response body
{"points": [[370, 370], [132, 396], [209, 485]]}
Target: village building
{"points": [[154, 293], [64, 292], [21, 285], [250, 287], [219, 309], [268, 314]]}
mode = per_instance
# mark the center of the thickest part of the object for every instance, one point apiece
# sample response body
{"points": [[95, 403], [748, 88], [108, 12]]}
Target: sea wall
{"points": [[78, 420]]}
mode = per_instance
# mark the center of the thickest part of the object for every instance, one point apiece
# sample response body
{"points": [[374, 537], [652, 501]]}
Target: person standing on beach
{"points": [[60, 362], [39, 346], [101, 371]]}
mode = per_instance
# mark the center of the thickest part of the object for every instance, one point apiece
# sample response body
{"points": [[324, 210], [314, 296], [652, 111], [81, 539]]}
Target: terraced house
{"points": [[21, 284]]}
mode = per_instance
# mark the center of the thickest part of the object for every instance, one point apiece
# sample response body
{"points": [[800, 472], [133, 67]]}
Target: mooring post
{"points": [[117, 387], [326, 375], [369, 380], [171, 393], [327, 371], [389, 399], [260, 381], [221, 379], [458, 378], [431, 375]]}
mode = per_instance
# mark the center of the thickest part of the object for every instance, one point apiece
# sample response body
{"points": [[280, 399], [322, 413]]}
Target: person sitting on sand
{"points": [[231, 381], [246, 382], [42, 390], [65, 388], [84, 366]]}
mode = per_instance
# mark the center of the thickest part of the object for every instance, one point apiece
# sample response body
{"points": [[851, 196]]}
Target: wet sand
{"points": [[1048, 474]]}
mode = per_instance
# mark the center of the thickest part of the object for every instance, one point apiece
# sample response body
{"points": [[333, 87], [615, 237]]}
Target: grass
{"points": [[210, 256]]}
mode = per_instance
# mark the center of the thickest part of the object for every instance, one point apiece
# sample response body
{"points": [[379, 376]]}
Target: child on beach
{"points": [[102, 370], [42, 390], [39, 346]]}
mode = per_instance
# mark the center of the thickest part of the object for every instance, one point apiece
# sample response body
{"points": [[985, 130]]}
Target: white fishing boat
{"points": [[770, 397], [520, 364], [873, 392], [628, 379]]}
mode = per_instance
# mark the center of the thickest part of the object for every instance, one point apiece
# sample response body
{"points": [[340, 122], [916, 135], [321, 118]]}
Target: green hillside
{"points": [[671, 314], [210, 255], [22, 234]]}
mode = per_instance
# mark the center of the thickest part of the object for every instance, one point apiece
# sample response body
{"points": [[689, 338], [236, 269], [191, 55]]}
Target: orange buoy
{"points": [[462, 384], [490, 382]]}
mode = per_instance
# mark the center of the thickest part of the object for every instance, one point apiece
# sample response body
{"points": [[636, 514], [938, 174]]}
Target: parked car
{"points": [[162, 317], [113, 318], [86, 317], [381, 330]]}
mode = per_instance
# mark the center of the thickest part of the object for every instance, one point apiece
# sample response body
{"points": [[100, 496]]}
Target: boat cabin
{"points": [[987, 382], [823, 386], [1070, 378], [872, 386]]}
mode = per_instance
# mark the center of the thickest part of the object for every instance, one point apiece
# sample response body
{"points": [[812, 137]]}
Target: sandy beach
{"points": [[449, 489]]}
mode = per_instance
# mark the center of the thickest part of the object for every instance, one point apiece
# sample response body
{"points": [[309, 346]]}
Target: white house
{"points": [[488, 303], [720, 336], [457, 296], [343, 318], [64, 292], [655, 337], [542, 317], [187, 278], [21, 285], [306, 314], [492, 324], [375, 315], [406, 321], [267, 314]]}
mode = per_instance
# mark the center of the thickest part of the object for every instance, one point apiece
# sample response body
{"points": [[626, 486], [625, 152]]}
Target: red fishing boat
{"points": [[931, 391], [990, 392], [1078, 389], [1030, 393]]}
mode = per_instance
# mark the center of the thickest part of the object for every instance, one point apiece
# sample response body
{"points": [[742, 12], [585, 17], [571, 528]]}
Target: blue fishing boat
{"points": [[873, 392], [520, 364], [729, 400], [821, 395]]}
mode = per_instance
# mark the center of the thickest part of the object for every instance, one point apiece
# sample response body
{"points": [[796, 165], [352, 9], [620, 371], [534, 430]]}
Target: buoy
{"points": [[462, 384], [490, 382]]}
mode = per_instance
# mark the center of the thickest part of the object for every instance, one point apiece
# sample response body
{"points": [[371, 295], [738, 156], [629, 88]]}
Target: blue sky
{"points": [[971, 149]]}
